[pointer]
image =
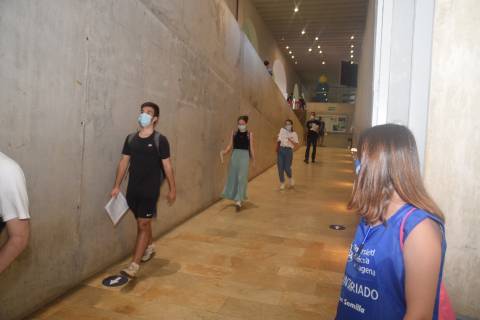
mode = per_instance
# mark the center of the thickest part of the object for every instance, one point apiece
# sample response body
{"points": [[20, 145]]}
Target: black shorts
{"points": [[142, 207]]}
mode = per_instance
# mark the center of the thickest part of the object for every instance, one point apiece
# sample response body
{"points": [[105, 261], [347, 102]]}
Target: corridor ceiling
{"points": [[332, 21]]}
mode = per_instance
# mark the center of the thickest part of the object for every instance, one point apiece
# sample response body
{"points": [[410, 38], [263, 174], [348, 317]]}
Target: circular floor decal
{"points": [[337, 227], [115, 281]]}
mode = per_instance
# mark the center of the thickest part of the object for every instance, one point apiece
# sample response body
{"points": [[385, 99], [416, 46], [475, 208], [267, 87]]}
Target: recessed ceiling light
{"points": [[309, 49], [351, 62], [287, 47], [290, 52], [352, 37], [293, 57], [323, 62], [296, 62], [303, 31], [351, 51], [320, 51], [295, 10], [351, 56], [316, 38], [352, 46], [318, 47]]}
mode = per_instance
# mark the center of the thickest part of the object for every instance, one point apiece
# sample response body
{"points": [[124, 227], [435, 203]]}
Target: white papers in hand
{"points": [[116, 208]]}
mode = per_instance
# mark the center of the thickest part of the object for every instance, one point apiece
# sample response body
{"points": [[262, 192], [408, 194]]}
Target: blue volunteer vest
{"points": [[374, 283]]}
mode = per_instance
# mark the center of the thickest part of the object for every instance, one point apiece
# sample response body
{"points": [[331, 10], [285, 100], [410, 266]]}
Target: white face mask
{"points": [[242, 127], [288, 127]]}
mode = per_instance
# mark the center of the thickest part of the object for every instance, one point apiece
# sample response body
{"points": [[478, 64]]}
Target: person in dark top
{"points": [[266, 63], [313, 129], [241, 141], [146, 154], [322, 131]]}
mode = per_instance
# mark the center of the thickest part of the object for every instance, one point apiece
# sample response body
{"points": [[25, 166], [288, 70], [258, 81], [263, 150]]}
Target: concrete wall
{"points": [[267, 47], [452, 168], [72, 75], [364, 99]]}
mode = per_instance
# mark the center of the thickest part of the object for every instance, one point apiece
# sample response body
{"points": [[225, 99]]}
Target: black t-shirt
{"points": [[146, 168], [310, 126]]}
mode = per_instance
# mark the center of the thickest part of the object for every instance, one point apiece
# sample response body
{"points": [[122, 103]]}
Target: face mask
{"points": [[242, 127], [288, 127], [144, 119], [358, 166]]}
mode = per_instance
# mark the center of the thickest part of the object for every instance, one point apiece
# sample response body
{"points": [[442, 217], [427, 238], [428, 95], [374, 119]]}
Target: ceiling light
{"points": [[351, 56], [318, 47], [320, 51], [352, 46], [289, 52], [287, 47], [323, 62], [351, 51], [352, 37], [296, 62], [303, 32], [293, 57], [295, 10], [316, 38], [351, 62], [309, 49]]}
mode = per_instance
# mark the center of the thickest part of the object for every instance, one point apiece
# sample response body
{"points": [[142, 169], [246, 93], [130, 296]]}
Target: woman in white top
{"points": [[288, 139]]}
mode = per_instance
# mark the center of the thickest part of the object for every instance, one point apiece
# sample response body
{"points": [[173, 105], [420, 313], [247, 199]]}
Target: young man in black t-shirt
{"points": [[313, 129], [146, 154]]}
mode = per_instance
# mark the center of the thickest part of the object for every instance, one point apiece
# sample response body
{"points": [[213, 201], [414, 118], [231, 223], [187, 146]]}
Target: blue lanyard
{"points": [[360, 248]]}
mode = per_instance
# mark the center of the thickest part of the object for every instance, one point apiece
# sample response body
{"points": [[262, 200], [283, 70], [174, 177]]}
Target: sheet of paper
{"points": [[116, 208]]}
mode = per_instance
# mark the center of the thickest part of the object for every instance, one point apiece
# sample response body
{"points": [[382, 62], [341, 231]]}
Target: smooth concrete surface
{"points": [[364, 99], [452, 168], [72, 75], [277, 259]]}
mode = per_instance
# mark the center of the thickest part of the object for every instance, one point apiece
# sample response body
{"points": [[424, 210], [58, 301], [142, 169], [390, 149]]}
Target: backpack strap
{"points": [[130, 139], [156, 139], [402, 226]]}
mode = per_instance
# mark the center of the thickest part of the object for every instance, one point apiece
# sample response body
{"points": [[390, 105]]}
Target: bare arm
{"points": [[252, 149], [422, 254], [168, 168], [230, 145], [121, 170], [18, 235]]}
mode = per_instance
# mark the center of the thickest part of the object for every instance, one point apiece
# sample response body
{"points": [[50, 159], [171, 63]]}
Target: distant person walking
{"points": [[322, 131], [241, 142], [313, 129], [288, 139], [146, 155]]}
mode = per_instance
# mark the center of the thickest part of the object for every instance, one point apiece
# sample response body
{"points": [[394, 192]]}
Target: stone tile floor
{"points": [[277, 259]]}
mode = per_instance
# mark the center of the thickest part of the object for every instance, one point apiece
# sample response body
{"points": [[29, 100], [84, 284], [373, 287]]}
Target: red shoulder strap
{"points": [[402, 226]]}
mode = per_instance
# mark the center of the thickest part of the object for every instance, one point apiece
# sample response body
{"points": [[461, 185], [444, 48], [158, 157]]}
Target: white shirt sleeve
{"points": [[294, 137], [13, 191]]}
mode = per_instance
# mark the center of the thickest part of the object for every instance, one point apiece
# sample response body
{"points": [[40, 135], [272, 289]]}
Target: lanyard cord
{"points": [[360, 248]]}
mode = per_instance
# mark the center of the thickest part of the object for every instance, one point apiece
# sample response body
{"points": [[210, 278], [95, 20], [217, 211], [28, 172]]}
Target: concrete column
{"points": [[452, 169]]}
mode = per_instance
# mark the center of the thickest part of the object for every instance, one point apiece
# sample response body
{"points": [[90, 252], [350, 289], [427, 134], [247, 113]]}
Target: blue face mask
{"points": [[144, 119], [358, 166]]}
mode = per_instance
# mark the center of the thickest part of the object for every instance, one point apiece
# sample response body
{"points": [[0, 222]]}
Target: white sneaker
{"points": [[131, 270], [282, 186], [149, 253], [291, 183], [238, 205]]}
